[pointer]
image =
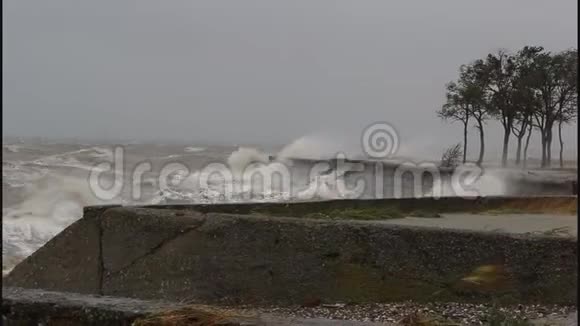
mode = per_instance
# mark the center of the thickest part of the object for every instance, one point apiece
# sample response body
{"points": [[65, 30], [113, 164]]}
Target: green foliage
{"points": [[529, 87], [457, 106], [369, 213]]}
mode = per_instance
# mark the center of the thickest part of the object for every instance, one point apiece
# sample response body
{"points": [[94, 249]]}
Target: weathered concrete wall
{"points": [[180, 253], [71, 261], [36, 307]]}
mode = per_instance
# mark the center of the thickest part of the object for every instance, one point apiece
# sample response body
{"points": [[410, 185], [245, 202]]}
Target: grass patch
{"points": [[367, 213], [545, 205], [382, 209], [504, 211], [370, 213]]}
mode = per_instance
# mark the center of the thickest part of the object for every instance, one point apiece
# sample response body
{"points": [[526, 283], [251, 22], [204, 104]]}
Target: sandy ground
{"points": [[563, 225]]}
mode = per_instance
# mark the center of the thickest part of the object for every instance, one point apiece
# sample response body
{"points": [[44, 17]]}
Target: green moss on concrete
{"points": [[504, 211], [369, 213], [374, 209]]}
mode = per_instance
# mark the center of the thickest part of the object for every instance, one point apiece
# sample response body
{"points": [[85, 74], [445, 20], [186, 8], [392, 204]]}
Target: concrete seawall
{"points": [[251, 253], [36, 307]]}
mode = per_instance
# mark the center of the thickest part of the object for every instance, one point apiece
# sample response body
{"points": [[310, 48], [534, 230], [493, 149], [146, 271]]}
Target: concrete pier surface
{"points": [[512, 251], [539, 224]]}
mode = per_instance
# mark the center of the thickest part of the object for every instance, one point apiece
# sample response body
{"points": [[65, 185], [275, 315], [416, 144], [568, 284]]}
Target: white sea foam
{"points": [[244, 156], [193, 149], [12, 148], [51, 204], [53, 201]]}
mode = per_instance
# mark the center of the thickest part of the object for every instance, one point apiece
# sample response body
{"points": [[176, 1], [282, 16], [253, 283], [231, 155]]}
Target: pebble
{"points": [[460, 313]]}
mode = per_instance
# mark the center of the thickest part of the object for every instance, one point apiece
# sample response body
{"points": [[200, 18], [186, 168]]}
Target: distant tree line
{"points": [[530, 90]]}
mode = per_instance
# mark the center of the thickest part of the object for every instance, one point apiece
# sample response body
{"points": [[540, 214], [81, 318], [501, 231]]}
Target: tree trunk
{"points": [[506, 141], [549, 147], [520, 134], [519, 150], [464, 143], [549, 137], [543, 148], [561, 144], [526, 146], [481, 144]]}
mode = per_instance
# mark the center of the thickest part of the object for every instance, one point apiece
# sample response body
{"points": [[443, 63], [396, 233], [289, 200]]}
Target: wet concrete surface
{"points": [[541, 224]]}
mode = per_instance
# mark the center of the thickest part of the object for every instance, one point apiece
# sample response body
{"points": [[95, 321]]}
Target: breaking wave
{"points": [[49, 205], [47, 191]]}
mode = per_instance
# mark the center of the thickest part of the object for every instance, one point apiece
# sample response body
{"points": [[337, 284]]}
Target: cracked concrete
{"points": [[140, 233], [185, 255], [68, 262]]}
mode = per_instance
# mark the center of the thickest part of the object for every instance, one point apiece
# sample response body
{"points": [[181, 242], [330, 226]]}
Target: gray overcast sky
{"points": [[255, 71]]}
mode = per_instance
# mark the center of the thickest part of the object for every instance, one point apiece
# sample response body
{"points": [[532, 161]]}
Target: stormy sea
{"points": [[46, 184]]}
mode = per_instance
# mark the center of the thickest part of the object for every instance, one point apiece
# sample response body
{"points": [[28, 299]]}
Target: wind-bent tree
{"points": [[532, 89], [496, 72], [566, 115], [568, 95], [544, 85], [520, 128], [524, 98], [530, 129], [555, 79], [456, 109], [474, 96], [480, 114]]}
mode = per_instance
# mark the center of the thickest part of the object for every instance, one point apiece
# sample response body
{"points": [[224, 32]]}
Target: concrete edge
{"points": [[38, 307], [375, 224]]}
